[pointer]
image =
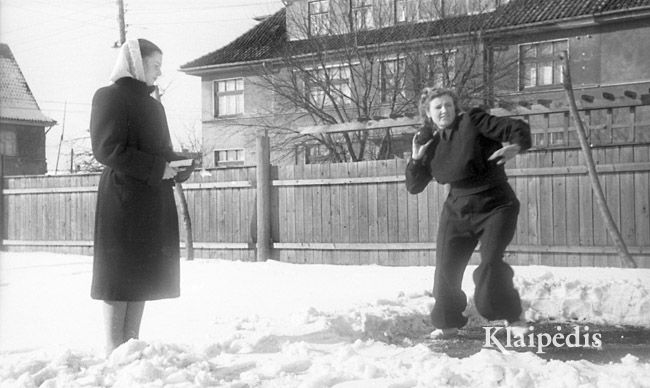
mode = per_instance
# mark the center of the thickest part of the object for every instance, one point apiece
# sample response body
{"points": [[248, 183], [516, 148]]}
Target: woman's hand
{"points": [[507, 152], [418, 150], [170, 172]]}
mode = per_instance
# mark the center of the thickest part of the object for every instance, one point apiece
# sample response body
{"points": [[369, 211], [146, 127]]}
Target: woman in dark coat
{"points": [[466, 151], [136, 251]]}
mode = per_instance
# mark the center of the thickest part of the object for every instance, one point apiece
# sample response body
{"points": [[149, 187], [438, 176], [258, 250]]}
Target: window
{"points": [[319, 21], [8, 143], [329, 85], [431, 9], [229, 97], [392, 79], [475, 7], [362, 14], [540, 64], [441, 69], [229, 157], [406, 10]]}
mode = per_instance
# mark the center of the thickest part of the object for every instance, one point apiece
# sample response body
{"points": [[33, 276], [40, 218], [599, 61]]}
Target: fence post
{"points": [[3, 220], [263, 173]]}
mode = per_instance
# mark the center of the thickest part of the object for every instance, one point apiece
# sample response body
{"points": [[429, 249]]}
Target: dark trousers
{"points": [[488, 217]]}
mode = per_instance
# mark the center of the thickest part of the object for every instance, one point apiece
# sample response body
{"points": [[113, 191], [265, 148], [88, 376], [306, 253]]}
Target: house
{"points": [[22, 124], [336, 62]]}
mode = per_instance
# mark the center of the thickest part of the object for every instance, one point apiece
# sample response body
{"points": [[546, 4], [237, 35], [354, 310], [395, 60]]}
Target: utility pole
{"points": [[120, 21], [58, 154], [71, 160]]}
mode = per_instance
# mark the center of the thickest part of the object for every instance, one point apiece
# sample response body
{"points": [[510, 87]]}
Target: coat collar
{"points": [[135, 85]]}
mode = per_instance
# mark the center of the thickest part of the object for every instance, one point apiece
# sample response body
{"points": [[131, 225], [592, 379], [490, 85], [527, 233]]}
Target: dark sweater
{"points": [[459, 155]]}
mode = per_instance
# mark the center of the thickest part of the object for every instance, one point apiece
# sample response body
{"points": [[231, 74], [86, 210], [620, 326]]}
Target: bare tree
{"points": [[84, 162], [192, 144], [356, 64]]}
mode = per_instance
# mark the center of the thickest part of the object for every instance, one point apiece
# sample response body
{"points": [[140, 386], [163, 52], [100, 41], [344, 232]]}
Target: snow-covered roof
{"points": [[17, 103]]}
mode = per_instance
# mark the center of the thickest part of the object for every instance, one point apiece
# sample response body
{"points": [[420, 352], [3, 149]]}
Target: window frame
{"points": [[430, 74], [344, 68], [436, 13], [236, 92], [398, 82], [322, 16], [229, 162], [477, 7], [556, 65], [8, 143], [366, 6], [408, 6]]}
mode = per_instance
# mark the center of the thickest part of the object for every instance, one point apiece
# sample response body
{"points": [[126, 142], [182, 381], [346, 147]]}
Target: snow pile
{"points": [[609, 301], [283, 325], [359, 364]]}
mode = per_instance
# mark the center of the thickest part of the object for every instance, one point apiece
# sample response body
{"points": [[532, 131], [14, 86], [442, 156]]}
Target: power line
{"points": [[198, 8], [189, 22], [213, 4], [40, 43], [65, 16], [33, 40], [63, 102]]}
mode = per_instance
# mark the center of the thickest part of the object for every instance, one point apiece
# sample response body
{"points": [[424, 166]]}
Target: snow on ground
{"points": [[274, 324]]}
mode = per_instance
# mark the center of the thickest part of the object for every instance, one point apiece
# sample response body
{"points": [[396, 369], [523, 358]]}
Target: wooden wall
{"points": [[361, 213]]}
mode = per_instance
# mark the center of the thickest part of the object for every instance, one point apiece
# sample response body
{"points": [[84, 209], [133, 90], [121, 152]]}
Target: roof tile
{"points": [[268, 39]]}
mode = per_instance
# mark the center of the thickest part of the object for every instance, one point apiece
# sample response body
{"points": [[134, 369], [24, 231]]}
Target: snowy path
{"points": [[284, 325]]}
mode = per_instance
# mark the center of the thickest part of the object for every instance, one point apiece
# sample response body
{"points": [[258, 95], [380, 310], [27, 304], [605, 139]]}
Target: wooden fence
{"points": [[360, 213]]}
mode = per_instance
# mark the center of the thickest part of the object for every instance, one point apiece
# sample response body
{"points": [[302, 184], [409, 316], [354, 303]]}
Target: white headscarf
{"points": [[129, 62]]}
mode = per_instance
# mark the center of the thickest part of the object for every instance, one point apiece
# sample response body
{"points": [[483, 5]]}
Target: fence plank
{"points": [[642, 216], [613, 194], [316, 203], [352, 203], [546, 211], [572, 214], [422, 216], [291, 206], [373, 213], [363, 203], [559, 210], [393, 213], [326, 209], [382, 212], [533, 209], [402, 214]]}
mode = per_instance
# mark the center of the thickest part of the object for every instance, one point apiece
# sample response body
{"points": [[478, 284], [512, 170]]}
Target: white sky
{"points": [[64, 48]]}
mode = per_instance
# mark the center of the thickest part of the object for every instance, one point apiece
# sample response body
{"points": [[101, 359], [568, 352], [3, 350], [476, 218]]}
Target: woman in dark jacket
{"points": [[136, 251], [466, 151]]}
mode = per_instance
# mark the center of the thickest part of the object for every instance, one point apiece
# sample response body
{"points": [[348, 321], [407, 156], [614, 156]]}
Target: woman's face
{"points": [[151, 66], [442, 111]]}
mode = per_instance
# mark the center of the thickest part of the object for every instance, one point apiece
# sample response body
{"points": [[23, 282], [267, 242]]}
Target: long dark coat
{"points": [[136, 252]]}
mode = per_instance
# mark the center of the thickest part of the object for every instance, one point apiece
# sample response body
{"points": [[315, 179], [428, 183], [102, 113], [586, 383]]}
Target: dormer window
{"points": [[361, 11], [476, 7], [406, 10], [319, 22]]}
